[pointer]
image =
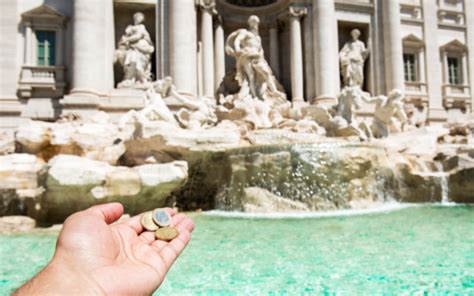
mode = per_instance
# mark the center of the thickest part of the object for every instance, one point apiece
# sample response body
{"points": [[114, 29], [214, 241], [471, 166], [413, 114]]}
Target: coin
{"points": [[148, 223], [161, 218], [166, 233]]}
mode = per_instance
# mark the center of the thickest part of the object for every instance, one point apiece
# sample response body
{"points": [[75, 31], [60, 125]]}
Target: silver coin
{"points": [[148, 223], [161, 218]]}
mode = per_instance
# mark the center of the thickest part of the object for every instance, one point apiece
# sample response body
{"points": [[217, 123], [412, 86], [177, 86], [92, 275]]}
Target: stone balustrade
{"points": [[456, 95], [47, 78]]}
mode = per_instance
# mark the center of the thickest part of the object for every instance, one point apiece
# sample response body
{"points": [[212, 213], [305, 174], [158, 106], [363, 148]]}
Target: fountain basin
{"points": [[414, 250]]}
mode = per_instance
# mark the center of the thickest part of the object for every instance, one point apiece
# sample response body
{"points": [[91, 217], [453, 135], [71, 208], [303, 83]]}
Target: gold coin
{"points": [[148, 223], [161, 218], [166, 233]]}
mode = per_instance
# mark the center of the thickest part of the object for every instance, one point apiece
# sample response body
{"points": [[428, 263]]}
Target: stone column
{"points": [[219, 53], [393, 49], [183, 47], [308, 56], [89, 41], [469, 11], [274, 50], [326, 52], [434, 71], [28, 44], [109, 46], [296, 48], [60, 48], [207, 11], [92, 60], [162, 39]]}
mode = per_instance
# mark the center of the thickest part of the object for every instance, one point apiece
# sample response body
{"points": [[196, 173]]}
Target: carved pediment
{"points": [[413, 41], [454, 46], [44, 13]]}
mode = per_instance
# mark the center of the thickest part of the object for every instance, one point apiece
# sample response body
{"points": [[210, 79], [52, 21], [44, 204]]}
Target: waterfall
{"points": [[441, 177], [443, 182]]}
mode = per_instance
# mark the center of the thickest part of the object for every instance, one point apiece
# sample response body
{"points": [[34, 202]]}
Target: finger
{"points": [[170, 211], [158, 245], [178, 218], [109, 212], [171, 251], [147, 236], [186, 224], [136, 224]]}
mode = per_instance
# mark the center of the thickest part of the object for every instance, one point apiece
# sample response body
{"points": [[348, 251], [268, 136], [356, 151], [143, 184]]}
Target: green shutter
{"points": [[51, 41], [409, 63], [453, 70], [40, 51], [46, 52]]}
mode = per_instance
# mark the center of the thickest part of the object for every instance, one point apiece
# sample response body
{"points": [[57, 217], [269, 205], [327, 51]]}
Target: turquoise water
{"points": [[410, 251]]}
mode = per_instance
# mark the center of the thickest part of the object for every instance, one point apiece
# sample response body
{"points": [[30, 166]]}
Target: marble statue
{"points": [[351, 98], [196, 112], [156, 110], [387, 110], [249, 113], [134, 53], [253, 73], [352, 58], [344, 123]]}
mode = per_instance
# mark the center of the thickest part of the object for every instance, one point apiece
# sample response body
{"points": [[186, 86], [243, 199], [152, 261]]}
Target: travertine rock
{"points": [[422, 141], [93, 140], [259, 200], [7, 143], [75, 183], [166, 142], [461, 185], [21, 178], [20, 171], [280, 136], [15, 224]]}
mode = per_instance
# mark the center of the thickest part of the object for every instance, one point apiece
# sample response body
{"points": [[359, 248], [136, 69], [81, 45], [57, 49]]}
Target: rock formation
{"points": [[68, 183]]}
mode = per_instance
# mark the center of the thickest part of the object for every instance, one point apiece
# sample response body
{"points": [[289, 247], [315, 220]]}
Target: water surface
{"points": [[412, 250]]}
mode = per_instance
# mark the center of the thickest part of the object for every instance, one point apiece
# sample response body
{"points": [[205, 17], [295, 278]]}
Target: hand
{"points": [[94, 257]]}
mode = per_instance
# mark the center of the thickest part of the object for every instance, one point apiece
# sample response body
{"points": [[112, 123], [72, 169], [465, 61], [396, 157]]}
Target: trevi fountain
{"points": [[246, 151]]}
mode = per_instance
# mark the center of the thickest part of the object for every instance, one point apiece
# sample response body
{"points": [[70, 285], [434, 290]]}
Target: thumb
{"points": [[109, 212]]}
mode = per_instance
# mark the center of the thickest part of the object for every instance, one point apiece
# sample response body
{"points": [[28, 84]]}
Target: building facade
{"points": [[58, 56]]}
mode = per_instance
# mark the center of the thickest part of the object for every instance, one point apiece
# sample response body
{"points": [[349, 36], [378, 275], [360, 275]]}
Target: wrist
{"points": [[60, 277]]}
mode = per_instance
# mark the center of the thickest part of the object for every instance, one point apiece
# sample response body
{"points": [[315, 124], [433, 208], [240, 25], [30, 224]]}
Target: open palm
{"points": [[122, 258]]}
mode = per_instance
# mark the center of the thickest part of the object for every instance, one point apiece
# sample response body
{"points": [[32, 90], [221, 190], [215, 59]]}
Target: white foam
{"points": [[387, 207]]}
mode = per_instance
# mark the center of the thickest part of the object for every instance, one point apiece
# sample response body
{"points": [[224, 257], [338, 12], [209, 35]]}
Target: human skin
{"points": [[95, 257]]}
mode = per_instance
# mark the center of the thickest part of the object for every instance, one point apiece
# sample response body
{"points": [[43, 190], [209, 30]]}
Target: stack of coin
{"points": [[159, 221]]}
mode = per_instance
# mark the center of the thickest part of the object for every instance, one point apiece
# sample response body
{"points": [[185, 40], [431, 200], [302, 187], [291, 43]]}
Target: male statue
{"points": [[254, 75], [386, 109]]}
